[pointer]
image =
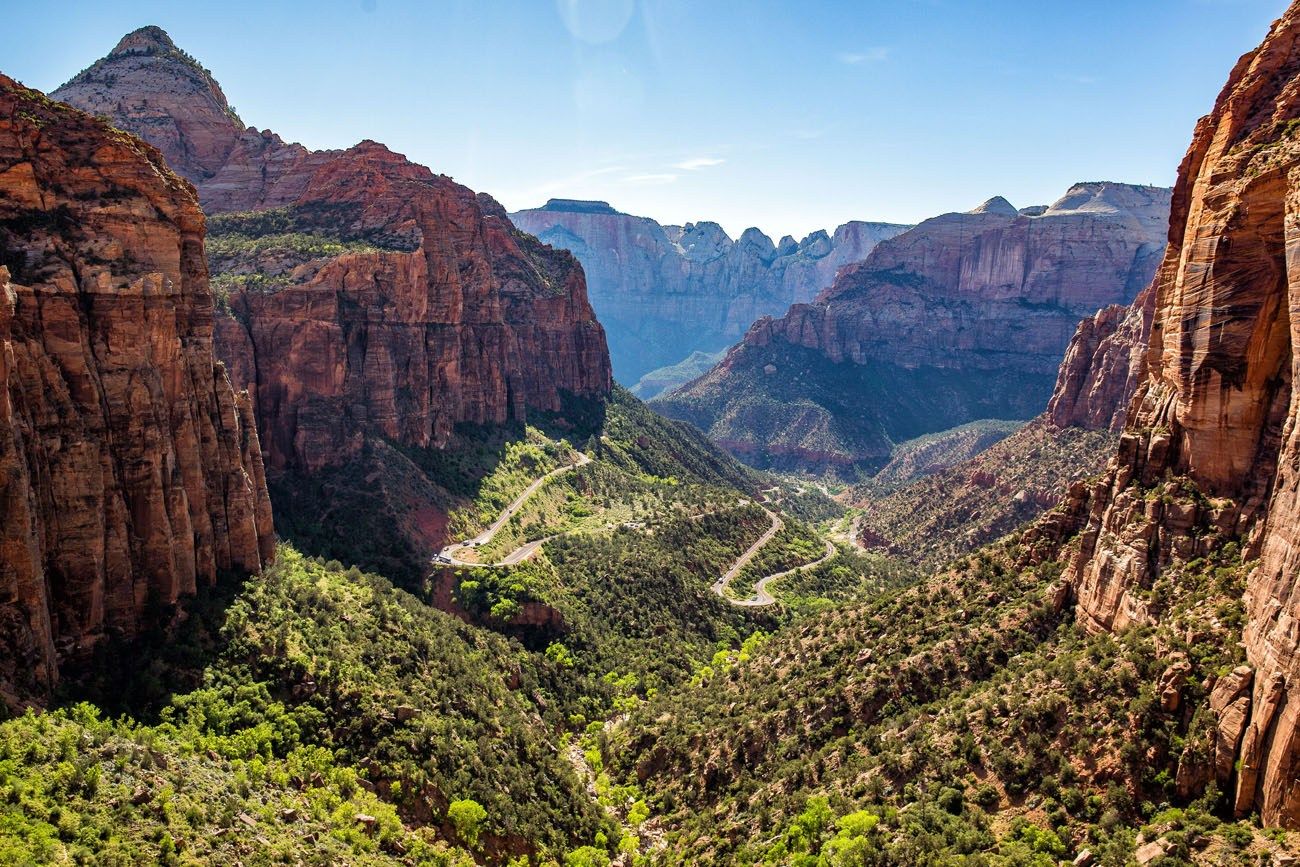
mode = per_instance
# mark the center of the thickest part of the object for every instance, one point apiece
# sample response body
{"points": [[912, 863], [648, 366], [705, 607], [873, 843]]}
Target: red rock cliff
{"points": [[437, 311], [1103, 366], [473, 322], [1215, 407], [131, 472]]}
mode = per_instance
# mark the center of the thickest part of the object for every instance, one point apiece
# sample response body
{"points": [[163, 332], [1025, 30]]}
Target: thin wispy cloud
{"points": [[875, 54], [650, 179], [694, 164], [561, 185]]}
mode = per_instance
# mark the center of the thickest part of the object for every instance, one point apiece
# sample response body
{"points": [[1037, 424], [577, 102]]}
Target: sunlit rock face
{"points": [[436, 311], [131, 470], [1214, 409], [664, 292]]}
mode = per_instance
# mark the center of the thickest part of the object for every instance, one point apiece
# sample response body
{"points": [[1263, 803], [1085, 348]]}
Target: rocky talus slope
{"points": [[368, 304], [964, 317], [132, 472], [953, 510], [664, 292]]}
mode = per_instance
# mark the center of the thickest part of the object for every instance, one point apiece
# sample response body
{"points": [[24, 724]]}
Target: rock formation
{"points": [[963, 317], [1214, 414], [132, 472], [664, 292], [662, 379], [1102, 367], [153, 89], [368, 296]]}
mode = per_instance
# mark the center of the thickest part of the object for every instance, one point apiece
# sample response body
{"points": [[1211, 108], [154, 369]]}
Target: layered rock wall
{"points": [[964, 317], [667, 291], [132, 472], [1215, 412], [1102, 368], [417, 306]]}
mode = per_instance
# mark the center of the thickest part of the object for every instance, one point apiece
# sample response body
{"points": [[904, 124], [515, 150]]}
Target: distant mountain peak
{"points": [[996, 205], [578, 206]]}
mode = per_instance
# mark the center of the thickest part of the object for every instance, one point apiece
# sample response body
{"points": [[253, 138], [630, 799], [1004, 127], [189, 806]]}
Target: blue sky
{"points": [[788, 116]]}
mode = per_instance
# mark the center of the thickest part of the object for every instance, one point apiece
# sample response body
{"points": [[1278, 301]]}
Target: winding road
{"points": [[761, 595], [447, 556], [720, 586]]}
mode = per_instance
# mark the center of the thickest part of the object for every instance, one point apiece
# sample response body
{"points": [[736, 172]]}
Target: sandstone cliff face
{"points": [[132, 473], [667, 291], [469, 321], [1215, 410], [1103, 366], [369, 297], [963, 317]]}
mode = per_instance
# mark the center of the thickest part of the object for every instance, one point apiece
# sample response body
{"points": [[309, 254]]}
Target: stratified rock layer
{"points": [[430, 309], [1215, 411], [131, 470], [1103, 366], [664, 292], [965, 316]]}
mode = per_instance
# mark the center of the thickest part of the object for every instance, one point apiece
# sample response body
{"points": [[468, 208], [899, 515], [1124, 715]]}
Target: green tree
{"points": [[467, 817]]}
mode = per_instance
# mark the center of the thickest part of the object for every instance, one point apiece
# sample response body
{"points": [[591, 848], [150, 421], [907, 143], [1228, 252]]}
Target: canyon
{"points": [[132, 469], [969, 639], [962, 318], [930, 515], [665, 292]]}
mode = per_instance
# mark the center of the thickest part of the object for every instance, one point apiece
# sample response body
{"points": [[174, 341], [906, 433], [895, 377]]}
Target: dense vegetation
{"points": [[329, 709], [966, 717], [598, 704], [796, 544], [319, 714]]}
